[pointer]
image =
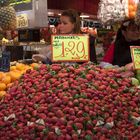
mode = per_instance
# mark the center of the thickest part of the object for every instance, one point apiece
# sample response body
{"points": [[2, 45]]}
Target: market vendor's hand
{"points": [[38, 57], [129, 66]]}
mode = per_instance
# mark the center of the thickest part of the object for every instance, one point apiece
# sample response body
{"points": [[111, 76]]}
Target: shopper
{"points": [[119, 52], [69, 24]]}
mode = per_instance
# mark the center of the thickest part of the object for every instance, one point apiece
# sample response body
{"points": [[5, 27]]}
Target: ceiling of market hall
{"points": [[88, 7]]}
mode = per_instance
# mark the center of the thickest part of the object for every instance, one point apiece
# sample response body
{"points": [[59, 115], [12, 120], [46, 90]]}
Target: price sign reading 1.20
{"points": [[135, 53], [70, 48]]}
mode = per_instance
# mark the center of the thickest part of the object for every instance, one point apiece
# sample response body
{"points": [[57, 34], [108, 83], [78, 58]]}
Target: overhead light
{"points": [[84, 16], [51, 26], [50, 13], [59, 14]]}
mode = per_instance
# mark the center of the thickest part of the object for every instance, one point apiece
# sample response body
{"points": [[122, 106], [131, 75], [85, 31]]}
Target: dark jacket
{"points": [[92, 49], [122, 53]]}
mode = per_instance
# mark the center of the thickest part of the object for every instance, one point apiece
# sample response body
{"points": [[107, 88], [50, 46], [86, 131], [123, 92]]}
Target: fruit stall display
{"points": [[8, 78], [71, 102]]}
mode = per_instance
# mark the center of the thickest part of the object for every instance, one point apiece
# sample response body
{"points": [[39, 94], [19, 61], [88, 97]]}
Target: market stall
{"points": [[77, 101]]}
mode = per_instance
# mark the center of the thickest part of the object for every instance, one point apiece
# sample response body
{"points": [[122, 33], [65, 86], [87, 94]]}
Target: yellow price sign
{"points": [[70, 48], [135, 53], [22, 21]]}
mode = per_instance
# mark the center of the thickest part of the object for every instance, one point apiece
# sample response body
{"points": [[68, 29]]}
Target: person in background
{"points": [[69, 24], [108, 39], [119, 52]]}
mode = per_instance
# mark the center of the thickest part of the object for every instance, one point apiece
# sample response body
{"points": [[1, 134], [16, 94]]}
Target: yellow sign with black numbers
{"points": [[67, 48]]}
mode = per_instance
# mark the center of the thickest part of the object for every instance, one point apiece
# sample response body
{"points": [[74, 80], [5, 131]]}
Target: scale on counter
{"points": [[31, 16]]}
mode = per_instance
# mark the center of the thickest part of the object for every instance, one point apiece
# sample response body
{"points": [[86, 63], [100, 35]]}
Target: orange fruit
{"points": [[14, 75], [132, 14], [130, 7], [2, 86], [9, 85], [6, 79], [20, 66], [2, 93], [34, 65], [12, 68], [131, 2], [1, 75]]}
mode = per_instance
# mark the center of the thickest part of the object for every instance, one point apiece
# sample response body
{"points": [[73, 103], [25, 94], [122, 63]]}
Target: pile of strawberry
{"points": [[76, 102]]}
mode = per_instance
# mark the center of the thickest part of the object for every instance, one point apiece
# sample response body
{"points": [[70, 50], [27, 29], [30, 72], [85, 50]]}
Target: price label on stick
{"points": [[135, 53], [67, 48]]}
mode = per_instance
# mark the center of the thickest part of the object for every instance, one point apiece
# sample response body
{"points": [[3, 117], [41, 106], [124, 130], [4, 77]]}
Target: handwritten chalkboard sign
{"points": [[5, 62]]}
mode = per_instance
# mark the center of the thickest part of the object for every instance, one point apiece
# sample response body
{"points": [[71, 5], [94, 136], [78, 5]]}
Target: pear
{"points": [[135, 81]]}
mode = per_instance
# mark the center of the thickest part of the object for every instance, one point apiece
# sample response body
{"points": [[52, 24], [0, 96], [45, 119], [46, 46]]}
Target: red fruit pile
{"points": [[60, 102]]}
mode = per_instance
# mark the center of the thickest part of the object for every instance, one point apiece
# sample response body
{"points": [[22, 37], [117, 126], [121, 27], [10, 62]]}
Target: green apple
{"points": [[135, 81]]}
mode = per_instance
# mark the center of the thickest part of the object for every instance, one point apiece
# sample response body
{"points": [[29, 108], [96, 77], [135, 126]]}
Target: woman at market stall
{"points": [[69, 24], [119, 52]]}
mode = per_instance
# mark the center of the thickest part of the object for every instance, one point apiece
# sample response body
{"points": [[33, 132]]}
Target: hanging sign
{"points": [[135, 53], [16, 2], [22, 21], [70, 48]]}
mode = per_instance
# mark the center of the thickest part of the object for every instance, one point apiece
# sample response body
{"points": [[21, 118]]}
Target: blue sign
{"points": [[5, 61]]}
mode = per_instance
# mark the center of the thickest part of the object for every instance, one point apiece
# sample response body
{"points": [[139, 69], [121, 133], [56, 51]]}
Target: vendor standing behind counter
{"points": [[69, 24], [119, 52]]}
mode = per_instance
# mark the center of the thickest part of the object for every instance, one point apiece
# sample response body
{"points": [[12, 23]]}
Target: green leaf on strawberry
{"points": [[88, 137], [83, 95], [53, 73], [14, 124], [67, 69], [46, 130], [114, 86], [83, 75], [126, 90], [85, 114], [94, 131], [76, 65], [76, 96], [74, 127]]}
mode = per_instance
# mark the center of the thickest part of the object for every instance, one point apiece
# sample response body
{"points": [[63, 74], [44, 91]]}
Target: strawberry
{"points": [[79, 125], [89, 77], [135, 114], [42, 116], [56, 67], [59, 113]]}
